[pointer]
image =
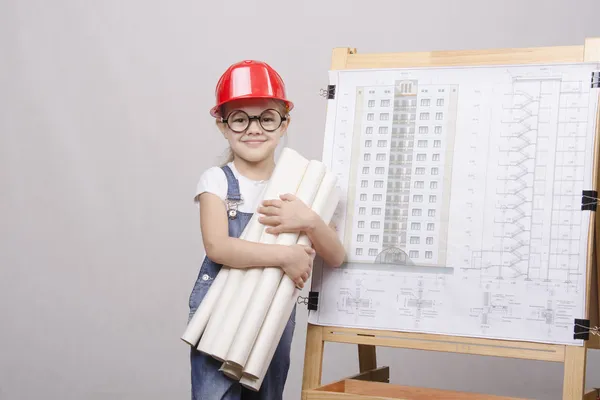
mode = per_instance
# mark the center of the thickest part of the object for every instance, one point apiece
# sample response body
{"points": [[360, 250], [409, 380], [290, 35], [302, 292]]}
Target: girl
{"points": [[252, 113]]}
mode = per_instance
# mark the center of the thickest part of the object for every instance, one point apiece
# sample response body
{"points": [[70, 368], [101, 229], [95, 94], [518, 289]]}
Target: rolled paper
{"points": [[286, 178], [196, 326], [269, 281], [255, 382], [234, 280], [199, 320], [232, 371], [235, 309], [324, 205]]}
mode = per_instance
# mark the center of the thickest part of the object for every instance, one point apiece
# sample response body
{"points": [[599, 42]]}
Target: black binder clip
{"points": [[589, 200], [595, 80], [328, 93], [581, 329], [312, 301]]}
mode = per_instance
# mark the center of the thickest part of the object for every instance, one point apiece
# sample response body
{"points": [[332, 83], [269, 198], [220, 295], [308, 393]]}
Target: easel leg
{"points": [[574, 373], [367, 357], [313, 357]]}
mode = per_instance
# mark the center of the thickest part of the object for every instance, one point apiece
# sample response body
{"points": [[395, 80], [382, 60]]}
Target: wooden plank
{"points": [[413, 393], [318, 395], [451, 344], [574, 373], [367, 357], [558, 54], [313, 357], [593, 287], [592, 54], [363, 390], [594, 315], [339, 57], [594, 342], [593, 394], [381, 374], [593, 276], [338, 386], [591, 50]]}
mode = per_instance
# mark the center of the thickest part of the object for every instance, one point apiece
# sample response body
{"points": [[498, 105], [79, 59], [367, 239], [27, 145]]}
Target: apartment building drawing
{"points": [[398, 201]]}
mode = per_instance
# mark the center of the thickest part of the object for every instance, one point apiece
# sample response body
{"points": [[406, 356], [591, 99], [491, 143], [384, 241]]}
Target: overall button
{"points": [[205, 277]]}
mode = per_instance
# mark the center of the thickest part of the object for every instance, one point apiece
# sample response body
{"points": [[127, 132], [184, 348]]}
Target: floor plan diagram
{"points": [[462, 191]]}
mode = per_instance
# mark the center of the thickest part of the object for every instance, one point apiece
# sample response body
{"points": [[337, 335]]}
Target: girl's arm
{"points": [[325, 241], [231, 251], [290, 214], [296, 261]]}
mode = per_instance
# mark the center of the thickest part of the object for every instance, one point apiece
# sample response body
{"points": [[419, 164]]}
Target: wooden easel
{"points": [[371, 382]]}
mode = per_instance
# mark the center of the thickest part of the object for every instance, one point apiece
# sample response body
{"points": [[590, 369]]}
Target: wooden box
{"points": [[353, 389]]}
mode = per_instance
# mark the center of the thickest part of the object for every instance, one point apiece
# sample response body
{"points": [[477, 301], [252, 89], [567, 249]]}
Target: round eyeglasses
{"points": [[238, 121]]}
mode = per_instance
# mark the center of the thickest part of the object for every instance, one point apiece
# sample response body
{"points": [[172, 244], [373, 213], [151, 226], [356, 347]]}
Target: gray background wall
{"points": [[104, 131]]}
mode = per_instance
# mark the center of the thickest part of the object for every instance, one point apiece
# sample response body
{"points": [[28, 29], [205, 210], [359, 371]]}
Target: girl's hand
{"points": [[289, 214], [298, 263]]}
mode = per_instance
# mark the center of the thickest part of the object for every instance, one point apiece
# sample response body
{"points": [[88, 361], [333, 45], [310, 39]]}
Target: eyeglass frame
{"points": [[254, 117]]}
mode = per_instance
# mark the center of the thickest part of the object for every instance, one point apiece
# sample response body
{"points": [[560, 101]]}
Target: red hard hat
{"points": [[246, 80]]}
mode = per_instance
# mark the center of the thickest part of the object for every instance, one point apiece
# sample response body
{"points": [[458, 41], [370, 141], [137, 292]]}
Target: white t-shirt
{"points": [[213, 180]]}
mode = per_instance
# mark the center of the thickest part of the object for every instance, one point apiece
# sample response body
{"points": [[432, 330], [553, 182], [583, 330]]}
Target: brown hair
{"points": [[230, 156]]}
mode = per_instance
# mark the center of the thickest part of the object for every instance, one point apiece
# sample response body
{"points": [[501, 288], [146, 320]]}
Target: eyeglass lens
{"points": [[238, 121]]}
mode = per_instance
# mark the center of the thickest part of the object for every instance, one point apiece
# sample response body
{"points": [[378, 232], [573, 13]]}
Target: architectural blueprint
{"points": [[461, 200]]}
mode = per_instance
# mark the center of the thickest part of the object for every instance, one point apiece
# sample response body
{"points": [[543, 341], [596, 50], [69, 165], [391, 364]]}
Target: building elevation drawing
{"points": [[461, 200]]}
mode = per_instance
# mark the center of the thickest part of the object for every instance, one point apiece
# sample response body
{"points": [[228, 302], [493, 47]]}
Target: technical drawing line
{"points": [[502, 192]]}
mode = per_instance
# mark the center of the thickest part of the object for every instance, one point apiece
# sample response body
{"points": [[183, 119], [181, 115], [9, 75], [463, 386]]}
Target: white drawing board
{"points": [[461, 200]]}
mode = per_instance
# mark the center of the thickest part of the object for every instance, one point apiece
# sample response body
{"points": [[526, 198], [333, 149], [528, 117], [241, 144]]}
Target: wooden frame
{"points": [[573, 357]]}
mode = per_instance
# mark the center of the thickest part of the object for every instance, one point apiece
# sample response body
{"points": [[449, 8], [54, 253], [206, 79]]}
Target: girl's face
{"points": [[253, 127]]}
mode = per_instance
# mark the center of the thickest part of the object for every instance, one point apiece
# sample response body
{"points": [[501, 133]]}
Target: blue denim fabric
{"points": [[208, 383]]}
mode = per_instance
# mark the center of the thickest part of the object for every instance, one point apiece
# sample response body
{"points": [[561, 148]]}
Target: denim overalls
{"points": [[208, 383]]}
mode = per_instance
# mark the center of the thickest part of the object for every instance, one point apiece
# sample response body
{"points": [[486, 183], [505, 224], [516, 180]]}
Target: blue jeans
{"points": [[208, 383]]}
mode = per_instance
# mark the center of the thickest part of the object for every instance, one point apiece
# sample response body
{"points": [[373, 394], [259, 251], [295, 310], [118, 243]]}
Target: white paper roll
{"points": [[251, 383], [233, 314], [324, 205], [196, 326], [199, 320], [255, 382], [250, 325], [216, 317], [232, 371], [306, 192], [286, 178], [234, 280]]}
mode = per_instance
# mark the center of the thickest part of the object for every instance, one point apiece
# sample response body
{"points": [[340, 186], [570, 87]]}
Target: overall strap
{"points": [[233, 186], [233, 192]]}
